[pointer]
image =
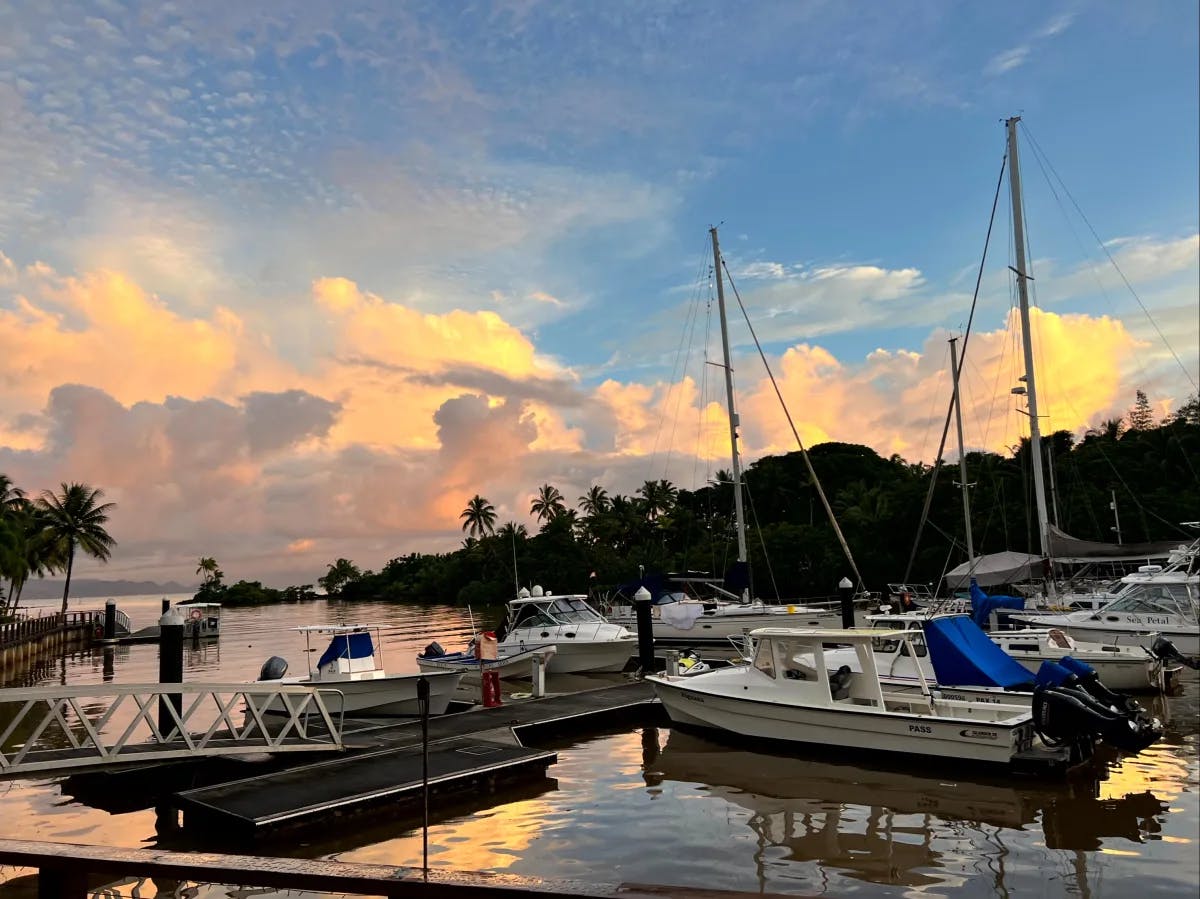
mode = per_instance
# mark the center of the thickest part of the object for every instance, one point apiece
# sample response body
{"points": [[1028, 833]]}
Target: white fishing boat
{"points": [[352, 664], [1155, 600], [788, 693], [516, 665], [1126, 668], [583, 641]]}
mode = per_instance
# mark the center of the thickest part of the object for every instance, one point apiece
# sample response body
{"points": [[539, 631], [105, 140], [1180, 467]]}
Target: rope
{"points": [[803, 452], [1038, 150], [937, 464]]}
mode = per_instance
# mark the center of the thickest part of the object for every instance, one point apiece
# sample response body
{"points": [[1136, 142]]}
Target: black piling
{"points": [[645, 630], [846, 597], [110, 620], [170, 666]]}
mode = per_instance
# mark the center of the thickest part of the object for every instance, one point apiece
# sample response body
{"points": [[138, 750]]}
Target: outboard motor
{"points": [[433, 650], [1065, 713], [1165, 650], [1089, 681], [273, 668]]}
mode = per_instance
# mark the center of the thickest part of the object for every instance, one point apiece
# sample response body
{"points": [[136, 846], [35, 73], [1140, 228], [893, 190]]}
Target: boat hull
{"points": [[989, 742], [585, 656], [394, 695], [717, 631], [517, 666], [1186, 640]]}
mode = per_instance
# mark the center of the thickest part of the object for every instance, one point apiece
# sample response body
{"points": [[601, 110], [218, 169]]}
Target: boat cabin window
{"points": [[573, 610], [799, 661], [885, 645], [532, 616], [917, 642], [1151, 599], [764, 658]]}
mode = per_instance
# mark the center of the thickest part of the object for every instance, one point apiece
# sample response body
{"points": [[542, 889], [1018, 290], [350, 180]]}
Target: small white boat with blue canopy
{"points": [[790, 692], [352, 663]]}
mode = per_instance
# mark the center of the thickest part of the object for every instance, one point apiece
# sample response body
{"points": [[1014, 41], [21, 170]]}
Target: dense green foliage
{"points": [[1154, 469]]}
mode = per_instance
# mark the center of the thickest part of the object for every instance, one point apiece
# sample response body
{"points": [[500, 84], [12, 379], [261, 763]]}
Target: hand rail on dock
{"points": [[48, 729]]}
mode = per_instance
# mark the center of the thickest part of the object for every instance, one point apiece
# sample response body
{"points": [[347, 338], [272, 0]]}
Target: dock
{"points": [[471, 755]]}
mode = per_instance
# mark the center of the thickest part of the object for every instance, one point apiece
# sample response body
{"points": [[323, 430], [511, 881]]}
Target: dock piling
{"points": [[846, 596], [170, 667], [645, 630], [539, 675], [110, 619], [672, 663]]}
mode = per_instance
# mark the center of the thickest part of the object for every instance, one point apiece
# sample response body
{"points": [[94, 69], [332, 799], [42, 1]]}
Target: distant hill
{"points": [[52, 589]]}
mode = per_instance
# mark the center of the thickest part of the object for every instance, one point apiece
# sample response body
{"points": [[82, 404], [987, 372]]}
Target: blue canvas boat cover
{"points": [[983, 605], [347, 646], [964, 656]]}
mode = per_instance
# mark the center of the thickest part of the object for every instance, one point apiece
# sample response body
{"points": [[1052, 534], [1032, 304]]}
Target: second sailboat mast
{"points": [[739, 512]]}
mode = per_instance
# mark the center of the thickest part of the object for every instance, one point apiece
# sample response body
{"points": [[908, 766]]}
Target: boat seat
{"points": [[839, 683], [794, 674]]}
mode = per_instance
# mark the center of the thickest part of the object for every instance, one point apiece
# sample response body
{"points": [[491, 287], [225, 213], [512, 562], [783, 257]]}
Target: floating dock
{"points": [[470, 754]]}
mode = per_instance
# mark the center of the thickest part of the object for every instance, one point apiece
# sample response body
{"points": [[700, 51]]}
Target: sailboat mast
{"points": [[738, 510], [962, 454], [1035, 431]]}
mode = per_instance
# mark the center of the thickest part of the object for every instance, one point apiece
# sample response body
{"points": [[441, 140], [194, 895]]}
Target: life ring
{"points": [[197, 614]]}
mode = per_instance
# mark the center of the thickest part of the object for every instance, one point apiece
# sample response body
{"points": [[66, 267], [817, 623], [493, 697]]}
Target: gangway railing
{"points": [[49, 729]]}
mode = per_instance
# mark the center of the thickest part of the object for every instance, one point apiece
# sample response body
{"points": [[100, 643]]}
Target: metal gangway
{"points": [[47, 730]]}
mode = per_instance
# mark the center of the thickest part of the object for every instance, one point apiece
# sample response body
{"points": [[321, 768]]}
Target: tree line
{"points": [[604, 539]]}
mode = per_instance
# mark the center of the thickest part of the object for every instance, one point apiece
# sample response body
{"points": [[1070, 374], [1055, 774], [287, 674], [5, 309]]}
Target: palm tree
{"points": [[339, 574], [548, 504], [26, 552], [209, 569], [657, 497], [479, 517], [74, 519], [595, 501]]}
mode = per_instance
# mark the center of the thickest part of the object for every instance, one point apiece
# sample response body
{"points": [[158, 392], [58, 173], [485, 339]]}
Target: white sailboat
{"points": [[685, 621]]}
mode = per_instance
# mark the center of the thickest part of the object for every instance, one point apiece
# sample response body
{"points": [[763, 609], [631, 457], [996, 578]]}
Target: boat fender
{"points": [[433, 650], [273, 668]]}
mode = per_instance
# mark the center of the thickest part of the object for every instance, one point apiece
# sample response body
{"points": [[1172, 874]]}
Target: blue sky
{"points": [[556, 166]]}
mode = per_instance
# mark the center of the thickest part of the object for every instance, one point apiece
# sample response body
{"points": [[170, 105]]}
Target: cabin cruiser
{"points": [[352, 664], [789, 693], [582, 640], [1154, 601]]}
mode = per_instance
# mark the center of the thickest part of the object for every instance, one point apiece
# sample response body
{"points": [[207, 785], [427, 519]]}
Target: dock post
{"points": [[846, 596], [423, 707], [166, 605], [110, 619], [170, 667], [539, 675], [645, 630]]}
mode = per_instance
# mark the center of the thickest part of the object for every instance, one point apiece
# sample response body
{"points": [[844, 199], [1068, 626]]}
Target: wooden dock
{"points": [[471, 754]]}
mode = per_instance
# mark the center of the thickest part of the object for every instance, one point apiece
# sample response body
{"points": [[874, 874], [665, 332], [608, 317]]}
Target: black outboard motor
{"points": [[1089, 681], [273, 668], [1065, 713], [1164, 649], [433, 650]]}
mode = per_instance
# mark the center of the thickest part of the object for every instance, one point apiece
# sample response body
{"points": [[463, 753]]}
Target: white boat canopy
{"points": [[1007, 567]]}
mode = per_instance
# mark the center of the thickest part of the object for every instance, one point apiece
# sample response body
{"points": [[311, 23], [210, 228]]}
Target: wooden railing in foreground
{"points": [[66, 869]]}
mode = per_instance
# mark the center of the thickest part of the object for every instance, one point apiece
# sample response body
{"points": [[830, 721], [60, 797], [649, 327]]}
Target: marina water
{"points": [[653, 805]]}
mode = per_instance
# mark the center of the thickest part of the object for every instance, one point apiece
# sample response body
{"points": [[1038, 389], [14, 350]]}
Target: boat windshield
{"points": [[574, 610], [532, 616], [1152, 599]]}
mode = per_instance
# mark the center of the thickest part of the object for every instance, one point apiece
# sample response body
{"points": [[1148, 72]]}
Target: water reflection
{"points": [[880, 825]]}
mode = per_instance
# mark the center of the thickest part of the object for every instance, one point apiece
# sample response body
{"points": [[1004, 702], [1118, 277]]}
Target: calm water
{"points": [[652, 805]]}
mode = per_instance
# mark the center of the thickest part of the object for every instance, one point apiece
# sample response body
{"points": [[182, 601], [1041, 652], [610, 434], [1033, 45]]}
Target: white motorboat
{"points": [[1155, 600], [509, 664], [1126, 668], [583, 641], [352, 664], [789, 694]]}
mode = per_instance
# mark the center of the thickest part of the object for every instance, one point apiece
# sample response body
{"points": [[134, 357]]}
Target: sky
{"points": [[293, 282]]}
